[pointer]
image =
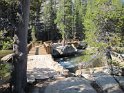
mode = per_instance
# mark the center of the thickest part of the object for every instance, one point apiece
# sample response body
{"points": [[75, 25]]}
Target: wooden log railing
{"points": [[75, 42], [47, 46], [29, 46]]}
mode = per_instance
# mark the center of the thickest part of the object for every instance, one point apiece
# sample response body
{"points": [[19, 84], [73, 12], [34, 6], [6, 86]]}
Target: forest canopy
{"points": [[67, 19], [99, 24]]}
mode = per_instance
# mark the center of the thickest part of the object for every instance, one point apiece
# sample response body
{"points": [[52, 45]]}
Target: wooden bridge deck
{"points": [[38, 50], [41, 65]]}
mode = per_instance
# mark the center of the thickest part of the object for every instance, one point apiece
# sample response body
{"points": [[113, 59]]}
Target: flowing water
{"points": [[69, 62]]}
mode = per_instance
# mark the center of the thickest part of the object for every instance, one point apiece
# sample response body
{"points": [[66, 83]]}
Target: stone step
{"points": [[107, 83], [120, 80], [70, 85]]}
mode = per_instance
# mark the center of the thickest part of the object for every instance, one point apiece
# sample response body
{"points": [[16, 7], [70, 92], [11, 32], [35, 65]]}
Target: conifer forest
{"points": [[61, 46]]}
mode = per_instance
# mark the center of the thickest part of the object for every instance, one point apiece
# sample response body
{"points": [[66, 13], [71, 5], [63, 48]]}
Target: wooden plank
{"points": [[43, 67]]}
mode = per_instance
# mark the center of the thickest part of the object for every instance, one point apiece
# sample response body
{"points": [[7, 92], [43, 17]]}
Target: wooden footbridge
{"points": [[44, 48], [40, 64], [38, 49]]}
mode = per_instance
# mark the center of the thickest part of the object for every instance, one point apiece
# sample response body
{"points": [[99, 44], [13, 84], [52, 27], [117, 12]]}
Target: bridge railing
{"points": [[29, 46], [47, 46]]}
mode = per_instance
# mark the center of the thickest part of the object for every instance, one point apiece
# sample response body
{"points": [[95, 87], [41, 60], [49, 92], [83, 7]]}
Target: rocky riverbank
{"points": [[98, 81]]}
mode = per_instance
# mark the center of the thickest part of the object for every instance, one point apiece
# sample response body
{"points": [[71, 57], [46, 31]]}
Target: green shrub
{"points": [[5, 70], [120, 50], [88, 54]]}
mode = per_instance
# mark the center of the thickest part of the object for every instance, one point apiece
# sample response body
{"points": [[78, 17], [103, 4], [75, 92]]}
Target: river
{"points": [[70, 62]]}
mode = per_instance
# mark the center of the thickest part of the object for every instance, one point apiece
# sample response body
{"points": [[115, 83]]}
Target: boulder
{"points": [[70, 85], [120, 80], [107, 82], [122, 71], [83, 72], [56, 49], [66, 50], [55, 52], [68, 65], [73, 68], [69, 49], [82, 45]]}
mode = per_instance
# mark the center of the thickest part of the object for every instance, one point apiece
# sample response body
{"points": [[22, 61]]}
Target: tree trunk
{"points": [[33, 32], [20, 65]]}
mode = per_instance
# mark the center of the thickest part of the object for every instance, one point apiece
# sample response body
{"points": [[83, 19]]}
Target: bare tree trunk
{"points": [[20, 65], [33, 34]]}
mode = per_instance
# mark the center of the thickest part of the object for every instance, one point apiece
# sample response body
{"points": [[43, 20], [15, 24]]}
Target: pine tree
{"points": [[49, 16], [64, 18], [102, 24], [35, 17], [79, 12]]}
